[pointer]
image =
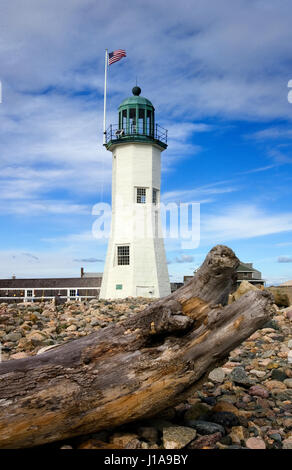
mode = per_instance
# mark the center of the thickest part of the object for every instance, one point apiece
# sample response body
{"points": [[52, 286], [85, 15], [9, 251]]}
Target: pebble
{"points": [[275, 384], [177, 437], [225, 406], [255, 443], [205, 442], [278, 374], [258, 373], [205, 427], [288, 383], [237, 434], [122, 439], [225, 418], [289, 314], [287, 444], [239, 376], [259, 391], [217, 375]]}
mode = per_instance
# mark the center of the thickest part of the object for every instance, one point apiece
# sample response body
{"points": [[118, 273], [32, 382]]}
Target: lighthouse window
{"points": [[132, 120], [141, 195], [141, 121], [149, 122], [123, 255], [124, 119], [154, 196]]}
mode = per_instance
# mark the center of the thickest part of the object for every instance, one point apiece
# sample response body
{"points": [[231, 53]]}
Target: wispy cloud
{"points": [[38, 208], [184, 259], [272, 133], [285, 259], [241, 222], [89, 260], [199, 194], [31, 256]]}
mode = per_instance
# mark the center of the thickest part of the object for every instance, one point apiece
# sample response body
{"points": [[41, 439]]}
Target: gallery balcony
{"points": [[134, 133]]}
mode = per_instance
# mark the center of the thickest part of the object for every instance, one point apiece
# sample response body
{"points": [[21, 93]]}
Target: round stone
{"points": [[289, 314], [177, 437], [288, 383], [278, 374], [287, 444], [255, 443], [239, 376], [14, 337], [217, 375], [258, 391]]}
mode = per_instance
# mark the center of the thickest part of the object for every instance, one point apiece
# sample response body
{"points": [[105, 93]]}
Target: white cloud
{"points": [[272, 133], [35, 207], [242, 222], [50, 264], [199, 194], [285, 259], [184, 259]]}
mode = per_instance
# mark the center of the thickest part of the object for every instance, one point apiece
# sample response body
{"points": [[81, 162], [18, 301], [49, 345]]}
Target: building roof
{"points": [[246, 268], [92, 274], [51, 283]]}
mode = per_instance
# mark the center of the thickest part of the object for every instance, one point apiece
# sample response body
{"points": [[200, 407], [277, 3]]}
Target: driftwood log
{"points": [[131, 370]]}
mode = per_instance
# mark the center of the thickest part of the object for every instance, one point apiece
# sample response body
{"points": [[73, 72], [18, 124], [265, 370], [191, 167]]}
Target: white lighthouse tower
{"points": [[136, 262]]}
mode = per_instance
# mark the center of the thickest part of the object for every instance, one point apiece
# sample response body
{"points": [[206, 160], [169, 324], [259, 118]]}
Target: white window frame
{"points": [[117, 255], [71, 290], [137, 196]]}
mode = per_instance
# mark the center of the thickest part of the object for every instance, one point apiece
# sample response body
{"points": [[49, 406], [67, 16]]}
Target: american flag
{"points": [[116, 55]]}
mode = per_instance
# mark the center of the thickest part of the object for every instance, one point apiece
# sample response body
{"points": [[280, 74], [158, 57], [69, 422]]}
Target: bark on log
{"points": [[131, 370]]}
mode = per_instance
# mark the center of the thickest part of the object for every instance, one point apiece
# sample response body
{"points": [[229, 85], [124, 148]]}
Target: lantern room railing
{"points": [[136, 132]]}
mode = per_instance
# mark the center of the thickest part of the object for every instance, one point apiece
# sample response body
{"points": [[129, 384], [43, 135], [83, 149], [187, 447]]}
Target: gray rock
{"points": [[278, 374], [177, 437], [276, 437], [14, 337], [239, 376], [217, 375], [287, 444], [205, 427], [288, 383]]}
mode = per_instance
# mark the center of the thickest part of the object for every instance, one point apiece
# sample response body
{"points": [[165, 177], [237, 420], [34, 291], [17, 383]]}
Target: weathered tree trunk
{"points": [[131, 370]]}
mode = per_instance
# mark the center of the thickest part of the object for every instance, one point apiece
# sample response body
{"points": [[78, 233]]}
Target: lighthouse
{"points": [[136, 262]]}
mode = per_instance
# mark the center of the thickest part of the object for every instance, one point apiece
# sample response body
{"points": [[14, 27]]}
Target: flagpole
{"points": [[104, 100]]}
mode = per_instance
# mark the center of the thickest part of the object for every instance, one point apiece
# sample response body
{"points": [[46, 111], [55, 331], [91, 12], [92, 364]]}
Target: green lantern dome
{"points": [[136, 99], [136, 123]]}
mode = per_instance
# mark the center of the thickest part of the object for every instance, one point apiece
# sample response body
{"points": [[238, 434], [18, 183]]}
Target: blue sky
{"points": [[218, 78]]}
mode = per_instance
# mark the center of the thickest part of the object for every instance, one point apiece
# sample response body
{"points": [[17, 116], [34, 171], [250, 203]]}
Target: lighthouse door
{"points": [[145, 291]]}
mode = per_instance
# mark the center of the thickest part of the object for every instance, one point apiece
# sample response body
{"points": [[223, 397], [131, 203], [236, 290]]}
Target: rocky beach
{"points": [[244, 403]]}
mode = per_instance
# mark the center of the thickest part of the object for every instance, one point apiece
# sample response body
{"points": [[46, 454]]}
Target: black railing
{"points": [[114, 133]]}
